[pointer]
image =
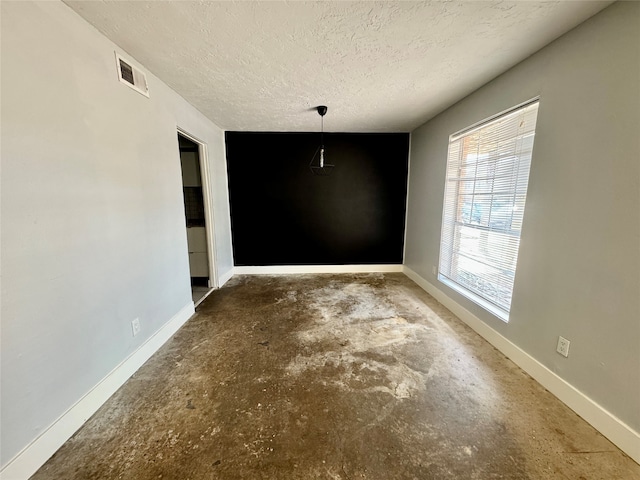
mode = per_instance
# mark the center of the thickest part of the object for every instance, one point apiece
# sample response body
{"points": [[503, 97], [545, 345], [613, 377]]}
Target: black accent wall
{"points": [[282, 214]]}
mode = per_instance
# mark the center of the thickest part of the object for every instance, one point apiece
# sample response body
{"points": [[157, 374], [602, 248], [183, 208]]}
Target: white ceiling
{"points": [[378, 66]]}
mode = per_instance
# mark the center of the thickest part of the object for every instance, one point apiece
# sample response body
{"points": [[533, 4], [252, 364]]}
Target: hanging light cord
{"points": [[322, 142]]}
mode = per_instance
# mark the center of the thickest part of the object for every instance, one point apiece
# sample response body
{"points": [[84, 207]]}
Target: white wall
{"points": [[579, 265], [93, 227]]}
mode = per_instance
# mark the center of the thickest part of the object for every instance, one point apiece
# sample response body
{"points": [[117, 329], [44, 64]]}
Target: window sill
{"points": [[488, 306]]}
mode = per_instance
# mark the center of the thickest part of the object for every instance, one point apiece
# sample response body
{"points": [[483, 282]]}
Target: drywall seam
{"points": [[622, 435], [286, 269], [34, 455]]}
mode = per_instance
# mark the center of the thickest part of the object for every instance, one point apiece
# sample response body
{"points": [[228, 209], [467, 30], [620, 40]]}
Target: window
{"points": [[485, 192]]}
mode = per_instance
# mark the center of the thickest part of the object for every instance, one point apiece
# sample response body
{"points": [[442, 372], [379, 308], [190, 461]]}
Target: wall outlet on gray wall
{"points": [[563, 346], [135, 326]]}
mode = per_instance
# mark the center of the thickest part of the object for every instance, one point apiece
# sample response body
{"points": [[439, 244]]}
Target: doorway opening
{"points": [[197, 214]]}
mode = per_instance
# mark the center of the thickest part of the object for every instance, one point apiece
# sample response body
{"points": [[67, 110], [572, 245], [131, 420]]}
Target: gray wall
{"points": [[93, 227], [579, 265]]}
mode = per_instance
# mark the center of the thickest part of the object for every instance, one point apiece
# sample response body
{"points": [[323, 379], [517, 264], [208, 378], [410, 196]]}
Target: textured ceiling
{"points": [[379, 66]]}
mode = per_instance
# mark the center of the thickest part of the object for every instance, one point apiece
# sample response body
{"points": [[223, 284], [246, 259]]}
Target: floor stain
{"points": [[362, 376]]}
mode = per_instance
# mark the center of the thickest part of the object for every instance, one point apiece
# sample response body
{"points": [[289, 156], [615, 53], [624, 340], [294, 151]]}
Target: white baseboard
{"points": [[225, 277], [286, 269], [34, 455], [627, 439]]}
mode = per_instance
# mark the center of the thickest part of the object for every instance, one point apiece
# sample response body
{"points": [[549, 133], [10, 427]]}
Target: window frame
{"points": [[453, 214]]}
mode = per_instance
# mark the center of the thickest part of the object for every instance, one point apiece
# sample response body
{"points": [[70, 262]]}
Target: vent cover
{"points": [[131, 76]]}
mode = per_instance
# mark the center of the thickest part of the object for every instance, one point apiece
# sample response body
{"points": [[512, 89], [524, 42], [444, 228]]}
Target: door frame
{"points": [[205, 172]]}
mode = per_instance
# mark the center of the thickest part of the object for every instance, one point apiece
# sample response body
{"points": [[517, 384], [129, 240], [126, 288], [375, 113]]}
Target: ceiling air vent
{"points": [[132, 76]]}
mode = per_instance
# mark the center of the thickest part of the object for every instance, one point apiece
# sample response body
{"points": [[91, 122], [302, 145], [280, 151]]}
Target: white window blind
{"points": [[484, 200]]}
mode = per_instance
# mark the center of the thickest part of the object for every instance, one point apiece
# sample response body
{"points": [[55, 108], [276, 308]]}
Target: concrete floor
{"points": [[332, 377]]}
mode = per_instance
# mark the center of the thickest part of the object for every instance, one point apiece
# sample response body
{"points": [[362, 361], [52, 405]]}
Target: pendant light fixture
{"points": [[318, 165]]}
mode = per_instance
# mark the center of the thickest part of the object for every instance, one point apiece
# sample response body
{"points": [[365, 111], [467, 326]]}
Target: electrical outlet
{"points": [[563, 346], [434, 270], [135, 326]]}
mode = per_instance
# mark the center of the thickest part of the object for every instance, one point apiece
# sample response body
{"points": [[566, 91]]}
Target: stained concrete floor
{"points": [[332, 377]]}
